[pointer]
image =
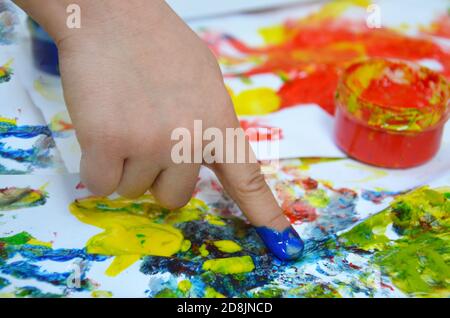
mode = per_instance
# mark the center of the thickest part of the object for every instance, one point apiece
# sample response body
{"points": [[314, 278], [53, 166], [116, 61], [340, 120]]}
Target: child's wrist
{"points": [[95, 16]]}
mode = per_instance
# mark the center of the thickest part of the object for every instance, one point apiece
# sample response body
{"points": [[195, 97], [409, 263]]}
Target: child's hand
{"points": [[131, 76]]}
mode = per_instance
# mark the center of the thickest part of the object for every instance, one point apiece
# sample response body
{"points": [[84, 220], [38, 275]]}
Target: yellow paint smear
{"points": [[227, 246], [128, 235], [258, 101], [231, 265], [36, 242], [8, 121], [375, 173]]}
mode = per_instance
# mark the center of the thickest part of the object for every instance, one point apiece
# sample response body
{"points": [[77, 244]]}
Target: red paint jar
{"points": [[390, 113]]}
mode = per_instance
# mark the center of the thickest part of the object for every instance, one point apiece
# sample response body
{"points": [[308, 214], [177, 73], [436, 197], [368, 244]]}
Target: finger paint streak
{"points": [[38, 156], [20, 198], [6, 72]]}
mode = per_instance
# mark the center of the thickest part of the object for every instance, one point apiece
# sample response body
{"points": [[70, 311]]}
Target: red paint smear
{"points": [[318, 52], [263, 132], [299, 211], [65, 126], [386, 286], [345, 191], [442, 27], [354, 266], [216, 187], [308, 184], [416, 94], [319, 88]]}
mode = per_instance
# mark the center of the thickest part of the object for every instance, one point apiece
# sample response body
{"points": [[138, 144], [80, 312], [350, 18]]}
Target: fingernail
{"points": [[286, 245]]}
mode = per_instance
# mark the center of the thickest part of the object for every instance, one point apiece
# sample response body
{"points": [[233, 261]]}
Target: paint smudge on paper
{"points": [[417, 259], [8, 21], [6, 72], [133, 228], [378, 197], [310, 53], [31, 252], [20, 198], [61, 124], [201, 247], [49, 89], [40, 155], [257, 131]]}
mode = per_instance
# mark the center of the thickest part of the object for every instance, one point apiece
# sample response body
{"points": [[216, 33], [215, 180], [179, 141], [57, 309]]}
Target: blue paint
{"points": [[39, 155], [378, 196], [25, 270], [286, 245], [41, 253], [45, 51], [24, 132]]}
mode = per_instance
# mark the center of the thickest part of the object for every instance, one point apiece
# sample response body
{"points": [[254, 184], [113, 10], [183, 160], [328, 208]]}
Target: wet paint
{"points": [[258, 131], [128, 235], [310, 54], [227, 246], [19, 198], [416, 260], [6, 72], [286, 245], [231, 265], [362, 262], [258, 101], [38, 156], [378, 197], [387, 109], [61, 123], [20, 258]]}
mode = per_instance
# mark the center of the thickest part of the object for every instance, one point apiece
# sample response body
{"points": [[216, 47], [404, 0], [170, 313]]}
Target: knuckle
{"points": [[102, 190], [252, 184], [172, 202], [129, 194], [100, 139]]}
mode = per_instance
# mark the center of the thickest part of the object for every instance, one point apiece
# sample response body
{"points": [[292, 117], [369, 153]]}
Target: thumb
{"points": [[246, 185]]}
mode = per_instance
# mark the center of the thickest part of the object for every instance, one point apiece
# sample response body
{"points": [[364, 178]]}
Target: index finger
{"points": [[245, 183]]}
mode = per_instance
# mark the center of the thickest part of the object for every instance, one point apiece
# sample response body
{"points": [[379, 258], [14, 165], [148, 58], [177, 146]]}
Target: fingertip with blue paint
{"points": [[286, 245]]}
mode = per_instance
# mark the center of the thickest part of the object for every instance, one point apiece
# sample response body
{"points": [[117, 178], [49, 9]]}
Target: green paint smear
{"points": [[418, 261], [19, 198], [18, 239], [4, 282], [32, 292]]}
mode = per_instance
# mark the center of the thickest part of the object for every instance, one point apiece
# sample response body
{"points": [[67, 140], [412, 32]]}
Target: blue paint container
{"points": [[45, 51]]}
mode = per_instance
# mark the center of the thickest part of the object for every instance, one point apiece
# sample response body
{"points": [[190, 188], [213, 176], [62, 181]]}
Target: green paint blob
{"points": [[203, 250], [185, 286], [418, 261], [212, 293], [18, 239]]}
